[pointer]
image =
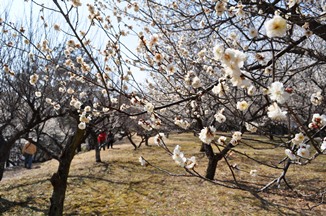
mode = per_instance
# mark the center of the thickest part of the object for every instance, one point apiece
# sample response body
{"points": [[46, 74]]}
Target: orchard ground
{"points": [[121, 186]]}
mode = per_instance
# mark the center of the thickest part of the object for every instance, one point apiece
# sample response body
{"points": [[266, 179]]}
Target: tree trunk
{"points": [[202, 147], [59, 179], [211, 168], [212, 162], [146, 140], [129, 136], [213, 159], [8, 163], [4, 155], [59, 183], [97, 153], [79, 148]]}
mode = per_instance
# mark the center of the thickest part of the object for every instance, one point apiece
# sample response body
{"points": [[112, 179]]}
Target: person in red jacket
{"points": [[101, 139]]}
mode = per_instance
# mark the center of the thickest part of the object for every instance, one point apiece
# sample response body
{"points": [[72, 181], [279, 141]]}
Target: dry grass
{"points": [[120, 186]]}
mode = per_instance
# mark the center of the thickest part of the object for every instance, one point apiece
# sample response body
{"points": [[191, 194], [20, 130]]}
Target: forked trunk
{"points": [[213, 159]]}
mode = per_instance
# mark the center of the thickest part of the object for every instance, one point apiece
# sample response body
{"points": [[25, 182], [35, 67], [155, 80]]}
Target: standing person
{"points": [[110, 139], [29, 150], [101, 138]]}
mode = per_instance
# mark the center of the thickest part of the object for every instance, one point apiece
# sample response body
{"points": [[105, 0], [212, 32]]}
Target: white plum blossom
{"points": [[193, 104], [275, 113], [84, 118], [178, 156], [233, 58], [251, 90], [275, 27], [76, 3], [33, 79], [221, 88], [181, 123], [149, 107], [170, 68], [191, 162], [316, 98], [207, 134], [277, 92], [219, 117], [77, 104], [242, 105], [220, 7], [290, 154], [82, 125], [158, 58], [303, 150], [154, 40], [318, 121], [145, 124], [38, 94], [323, 145], [196, 83], [135, 100], [221, 140], [48, 100], [251, 127], [218, 51], [159, 139], [56, 106], [181, 160], [62, 89], [142, 161], [70, 91], [298, 138], [88, 108], [253, 32], [236, 137]]}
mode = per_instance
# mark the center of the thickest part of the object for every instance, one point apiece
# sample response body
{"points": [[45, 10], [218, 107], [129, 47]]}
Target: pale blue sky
{"points": [[19, 11]]}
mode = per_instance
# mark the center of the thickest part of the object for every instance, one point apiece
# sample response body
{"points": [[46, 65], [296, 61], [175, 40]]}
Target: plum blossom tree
{"points": [[231, 65], [248, 63]]}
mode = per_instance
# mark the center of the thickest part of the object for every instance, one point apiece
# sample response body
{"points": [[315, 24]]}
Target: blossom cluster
{"points": [[181, 123], [318, 121], [207, 134], [181, 160], [159, 139]]}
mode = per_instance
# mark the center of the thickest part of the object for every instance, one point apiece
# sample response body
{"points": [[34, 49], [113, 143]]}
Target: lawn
{"points": [[121, 186]]}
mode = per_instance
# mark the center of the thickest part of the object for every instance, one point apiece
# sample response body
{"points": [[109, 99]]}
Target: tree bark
{"points": [[97, 153], [129, 136], [202, 147], [213, 159], [4, 155], [211, 168], [212, 162], [146, 140], [59, 179]]}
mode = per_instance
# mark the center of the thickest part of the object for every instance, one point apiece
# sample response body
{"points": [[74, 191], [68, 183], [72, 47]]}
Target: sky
{"points": [[20, 11]]}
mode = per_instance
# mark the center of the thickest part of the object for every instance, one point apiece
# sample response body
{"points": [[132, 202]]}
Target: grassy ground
{"points": [[120, 186]]}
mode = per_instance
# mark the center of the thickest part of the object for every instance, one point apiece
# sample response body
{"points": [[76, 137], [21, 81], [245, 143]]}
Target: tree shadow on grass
{"points": [[7, 205], [281, 208], [40, 181]]}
